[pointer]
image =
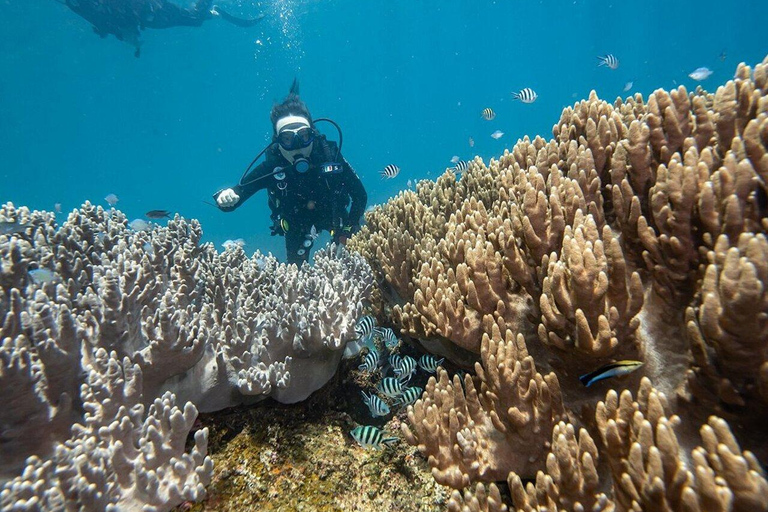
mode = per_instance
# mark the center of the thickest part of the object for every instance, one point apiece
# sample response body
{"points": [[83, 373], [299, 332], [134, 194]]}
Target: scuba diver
{"points": [[309, 183], [125, 19]]}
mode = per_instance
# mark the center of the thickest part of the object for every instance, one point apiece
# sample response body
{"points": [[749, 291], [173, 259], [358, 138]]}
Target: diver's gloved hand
{"points": [[227, 198]]}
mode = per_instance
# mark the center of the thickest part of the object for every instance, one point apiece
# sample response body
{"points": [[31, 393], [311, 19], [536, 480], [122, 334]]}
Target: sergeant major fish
{"points": [[527, 95], [390, 340], [609, 61], [488, 114], [405, 369], [429, 363], [376, 405], [371, 437], [370, 361], [391, 387], [609, 370], [389, 172], [409, 396]]}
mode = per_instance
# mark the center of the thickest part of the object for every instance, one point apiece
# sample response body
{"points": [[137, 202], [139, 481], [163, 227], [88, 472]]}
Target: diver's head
{"points": [[293, 128], [295, 137]]}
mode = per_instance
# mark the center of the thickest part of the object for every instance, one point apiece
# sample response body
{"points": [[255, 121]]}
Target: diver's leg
{"points": [[295, 251]]}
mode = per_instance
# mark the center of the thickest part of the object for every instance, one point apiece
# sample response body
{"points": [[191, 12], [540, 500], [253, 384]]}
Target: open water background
{"points": [[80, 117]]}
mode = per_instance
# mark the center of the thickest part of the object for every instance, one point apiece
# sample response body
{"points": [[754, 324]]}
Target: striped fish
{"points": [[364, 326], [370, 361], [461, 166], [391, 387], [429, 363], [371, 437], [389, 172], [488, 114], [608, 60], [609, 370], [527, 95], [405, 369], [394, 360], [390, 340], [409, 396], [376, 405]]}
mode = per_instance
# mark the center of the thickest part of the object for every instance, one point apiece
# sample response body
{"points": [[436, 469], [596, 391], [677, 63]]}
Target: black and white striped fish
{"points": [[371, 437], [370, 361], [390, 340], [391, 387], [394, 360], [609, 61], [429, 363], [376, 405], [406, 368], [527, 95], [488, 114], [364, 326], [409, 396], [461, 166], [389, 171]]}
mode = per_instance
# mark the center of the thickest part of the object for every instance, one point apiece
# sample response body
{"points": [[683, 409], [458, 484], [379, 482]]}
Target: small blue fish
{"points": [[391, 387], [376, 405], [42, 276], [409, 396], [429, 363], [700, 74], [370, 361], [609, 370], [390, 340], [405, 369], [371, 437]]}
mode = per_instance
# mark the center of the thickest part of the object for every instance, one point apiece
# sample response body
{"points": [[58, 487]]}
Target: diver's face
{"points": [[295, 137]]}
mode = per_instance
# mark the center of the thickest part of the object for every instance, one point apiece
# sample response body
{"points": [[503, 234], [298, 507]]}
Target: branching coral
{"points": [[105, 328], [638, 231], [489, 427], [589, 303], [118, 458], [728, 328]]}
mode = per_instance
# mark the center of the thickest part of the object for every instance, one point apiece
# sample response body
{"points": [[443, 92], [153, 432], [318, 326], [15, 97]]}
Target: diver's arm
{"points": [[253, 182], [356, 192], [240, 22]]}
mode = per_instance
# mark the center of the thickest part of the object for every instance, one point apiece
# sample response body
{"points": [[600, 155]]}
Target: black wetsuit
{"points": [[300, 201], [125, 19]]}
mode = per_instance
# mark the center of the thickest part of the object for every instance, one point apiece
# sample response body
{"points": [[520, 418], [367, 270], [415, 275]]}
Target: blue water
{"points": [[80, 117]]}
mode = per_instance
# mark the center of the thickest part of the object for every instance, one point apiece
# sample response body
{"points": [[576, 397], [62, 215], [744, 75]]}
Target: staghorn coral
{"points": [[491, 426], [184, 322]]}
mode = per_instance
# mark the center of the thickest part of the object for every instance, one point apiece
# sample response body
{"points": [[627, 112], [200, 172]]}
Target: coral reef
{"points": [[637, 232], [106, 328], [482, 432]]}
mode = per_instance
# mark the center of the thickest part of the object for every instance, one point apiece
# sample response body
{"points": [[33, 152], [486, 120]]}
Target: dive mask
{"points": [[291, 139]]}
